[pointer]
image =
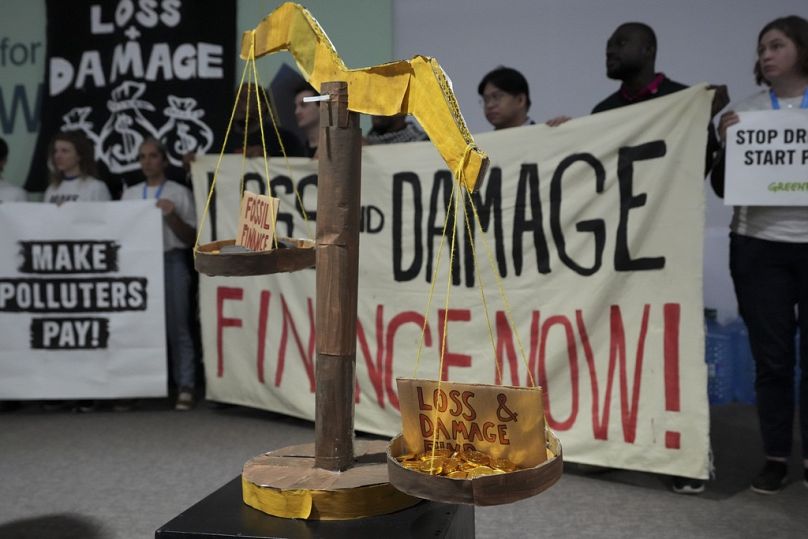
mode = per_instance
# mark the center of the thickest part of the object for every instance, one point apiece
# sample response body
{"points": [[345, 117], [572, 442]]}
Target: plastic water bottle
{"points": [[718, 355], [743, 362]]}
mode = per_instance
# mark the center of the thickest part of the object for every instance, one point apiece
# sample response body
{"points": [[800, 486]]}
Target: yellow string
{"points": [[503, 295], [480, 283], [250, 68], [218, 166], [437, 261], [459, 173], [246, 130], [264, 147], [306, 223], [451, 210]]}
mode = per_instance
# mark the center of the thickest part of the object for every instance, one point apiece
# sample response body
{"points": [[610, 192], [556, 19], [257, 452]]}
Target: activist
{"points": [[505, 97], [73, 171], [393, 129], [179, 221], [8, 191], [247, 119], [308, 119], [246, 133], [769, 260], [631, 59]]}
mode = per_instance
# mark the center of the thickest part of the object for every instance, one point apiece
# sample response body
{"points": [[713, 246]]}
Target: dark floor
{"points": [[123, 475]]}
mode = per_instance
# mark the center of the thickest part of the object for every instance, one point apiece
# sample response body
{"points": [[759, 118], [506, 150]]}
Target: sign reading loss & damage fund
{"points": [[501, 421]]}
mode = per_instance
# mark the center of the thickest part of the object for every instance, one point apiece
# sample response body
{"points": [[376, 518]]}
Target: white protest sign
{"points": [[81, 301], [767, 159]]}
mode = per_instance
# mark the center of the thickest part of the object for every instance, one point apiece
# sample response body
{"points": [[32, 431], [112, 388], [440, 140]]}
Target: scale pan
{"points": [[224, 259], [484, 490]]}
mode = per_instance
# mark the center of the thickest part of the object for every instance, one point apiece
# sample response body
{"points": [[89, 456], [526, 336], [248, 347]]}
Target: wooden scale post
{"points": [[337, 255], [327, 480]]}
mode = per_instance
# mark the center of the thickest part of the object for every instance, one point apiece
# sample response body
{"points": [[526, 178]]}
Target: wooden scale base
{"points": [[285, 483]]}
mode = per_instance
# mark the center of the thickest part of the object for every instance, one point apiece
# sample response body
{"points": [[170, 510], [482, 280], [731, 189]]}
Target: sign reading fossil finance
{"points": [[256, 222], [767, 159], [501, 421]]}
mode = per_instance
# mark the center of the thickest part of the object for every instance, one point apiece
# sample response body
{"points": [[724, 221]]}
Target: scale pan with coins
{"points": [[474, 444]]}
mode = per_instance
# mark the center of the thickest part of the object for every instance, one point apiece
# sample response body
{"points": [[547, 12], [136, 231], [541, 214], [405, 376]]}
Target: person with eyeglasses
{"points": [[505, 98]]}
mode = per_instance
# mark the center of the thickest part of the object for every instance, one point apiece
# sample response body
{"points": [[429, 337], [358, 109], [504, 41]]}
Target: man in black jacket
{"points": [[631, 59]]}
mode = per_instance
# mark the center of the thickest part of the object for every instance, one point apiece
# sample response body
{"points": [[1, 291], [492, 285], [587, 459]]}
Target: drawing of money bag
{"points": [[78, 119], [126, 128], [184, 132]]}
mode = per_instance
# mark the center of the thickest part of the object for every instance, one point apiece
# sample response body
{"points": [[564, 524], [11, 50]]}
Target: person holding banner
{"points": [[247, 129], [631, 59], [769, 260], [8, 192], [307, 115], [393, 130], [73, 171], [505, 97], [179, 222], [73, 179], [246, 133]]}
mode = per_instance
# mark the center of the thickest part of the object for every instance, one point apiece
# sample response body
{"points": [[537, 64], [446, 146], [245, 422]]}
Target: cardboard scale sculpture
{"points": [[337, 477]]}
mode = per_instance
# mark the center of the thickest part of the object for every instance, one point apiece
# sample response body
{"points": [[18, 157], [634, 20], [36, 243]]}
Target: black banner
{"points": [[121, 71]]}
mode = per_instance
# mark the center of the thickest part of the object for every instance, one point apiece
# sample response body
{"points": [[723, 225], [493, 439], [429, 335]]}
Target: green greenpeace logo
{"points": [[795, 187]]}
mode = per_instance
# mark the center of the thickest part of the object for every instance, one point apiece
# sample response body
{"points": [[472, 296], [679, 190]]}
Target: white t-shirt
{"points": [[81, 189], [183, 207], [11, 193], [773, 223]]}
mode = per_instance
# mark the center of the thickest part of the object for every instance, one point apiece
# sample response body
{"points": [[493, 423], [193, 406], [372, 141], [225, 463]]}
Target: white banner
{"points": [[81, 301], [595, 228], [767, 159]]}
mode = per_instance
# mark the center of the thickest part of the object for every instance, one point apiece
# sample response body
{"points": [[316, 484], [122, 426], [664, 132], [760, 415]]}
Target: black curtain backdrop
{"points": [[121, 71]]}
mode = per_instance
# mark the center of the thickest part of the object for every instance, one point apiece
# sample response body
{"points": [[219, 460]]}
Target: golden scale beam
{"points": [[418, 87]]}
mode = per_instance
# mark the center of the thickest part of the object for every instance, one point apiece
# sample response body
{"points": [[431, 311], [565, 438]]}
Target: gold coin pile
{"points": [[456, 464]]}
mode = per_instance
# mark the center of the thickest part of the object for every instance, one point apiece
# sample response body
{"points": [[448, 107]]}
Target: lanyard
{"points": [[156, 194], [776, 102]]}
